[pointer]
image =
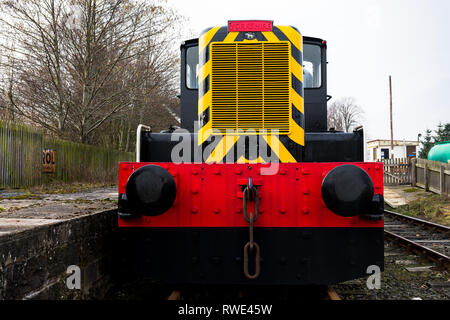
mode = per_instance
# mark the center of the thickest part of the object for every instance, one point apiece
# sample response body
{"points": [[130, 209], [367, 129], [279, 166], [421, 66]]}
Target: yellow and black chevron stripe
{"points": [[288, 147]]}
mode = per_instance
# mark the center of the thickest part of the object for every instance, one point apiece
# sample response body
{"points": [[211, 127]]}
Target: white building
{"points": [[381, 149]]}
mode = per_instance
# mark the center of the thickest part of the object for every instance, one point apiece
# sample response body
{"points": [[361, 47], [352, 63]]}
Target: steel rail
{"points": [[333, 295], [175, 295], [419, 221], [439, 258], [188, 293]]}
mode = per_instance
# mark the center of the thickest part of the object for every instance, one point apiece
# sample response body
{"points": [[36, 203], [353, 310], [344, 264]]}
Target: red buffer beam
{"points": [[211, 195]]}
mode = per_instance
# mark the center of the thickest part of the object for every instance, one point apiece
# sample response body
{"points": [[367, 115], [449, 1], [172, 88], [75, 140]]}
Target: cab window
{"points": [[312, 66], [192, 67]]}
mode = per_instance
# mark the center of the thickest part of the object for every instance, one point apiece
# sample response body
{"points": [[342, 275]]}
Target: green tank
{"points": [[440, 152]]}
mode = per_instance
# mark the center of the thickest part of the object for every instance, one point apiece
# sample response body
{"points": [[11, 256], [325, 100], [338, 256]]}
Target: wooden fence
{"points": [[397, 171], [21, 159], [431, 175]]}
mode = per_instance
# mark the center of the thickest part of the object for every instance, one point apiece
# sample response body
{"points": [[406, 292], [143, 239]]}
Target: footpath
{"points": [[396, 196]]}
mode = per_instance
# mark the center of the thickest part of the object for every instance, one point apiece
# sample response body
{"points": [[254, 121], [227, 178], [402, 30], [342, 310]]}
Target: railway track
{"points": [[420, 236], [250, 293]]}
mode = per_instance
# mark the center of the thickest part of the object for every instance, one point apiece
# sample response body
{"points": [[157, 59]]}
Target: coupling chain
{"points": [[251, 194]]}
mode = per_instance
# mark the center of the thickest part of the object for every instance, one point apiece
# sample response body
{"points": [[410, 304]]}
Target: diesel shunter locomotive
{"points": [[253, 188]]}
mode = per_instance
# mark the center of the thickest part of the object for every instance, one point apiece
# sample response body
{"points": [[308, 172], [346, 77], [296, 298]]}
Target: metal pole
{"points": [[392, 128], [138, 140]]}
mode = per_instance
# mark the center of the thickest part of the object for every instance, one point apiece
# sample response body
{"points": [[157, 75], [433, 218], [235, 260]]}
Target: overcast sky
{"points": [[367, 41]]}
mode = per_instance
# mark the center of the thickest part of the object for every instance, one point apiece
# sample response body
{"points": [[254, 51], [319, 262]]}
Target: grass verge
{"points": [[431, 207]]}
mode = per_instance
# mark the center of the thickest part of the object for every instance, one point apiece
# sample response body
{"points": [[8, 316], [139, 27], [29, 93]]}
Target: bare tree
{"points": [[77, 65], [344, 114], [115, 35], [334, 119], [33, 52]]}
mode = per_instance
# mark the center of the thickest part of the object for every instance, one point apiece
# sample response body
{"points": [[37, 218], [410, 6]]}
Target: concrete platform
{"points": [[16, 225], [40, 238], [21, 214], [396, 196]]}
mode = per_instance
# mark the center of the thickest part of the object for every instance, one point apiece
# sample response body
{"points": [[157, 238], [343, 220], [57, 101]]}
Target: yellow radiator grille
{"points": [[250, 86]]}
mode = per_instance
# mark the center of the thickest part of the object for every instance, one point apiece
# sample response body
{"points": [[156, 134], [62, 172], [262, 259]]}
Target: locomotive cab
{"points": [[321, 145]]}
